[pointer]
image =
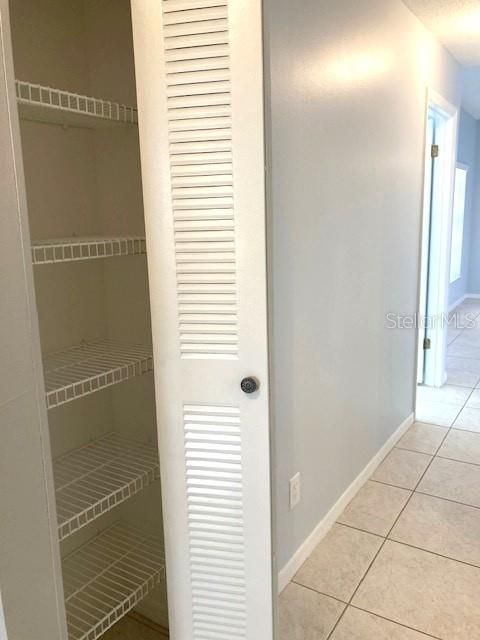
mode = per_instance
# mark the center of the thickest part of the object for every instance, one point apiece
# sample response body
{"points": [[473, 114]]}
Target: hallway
{"points": [[458, 401], [403, 560]]}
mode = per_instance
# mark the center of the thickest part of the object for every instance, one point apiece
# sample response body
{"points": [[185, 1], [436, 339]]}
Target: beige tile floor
{"points": [[457, 403], [403, 560]]}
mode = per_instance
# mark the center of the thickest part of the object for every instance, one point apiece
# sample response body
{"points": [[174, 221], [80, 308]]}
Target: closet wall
{"points": [[87, 182]]}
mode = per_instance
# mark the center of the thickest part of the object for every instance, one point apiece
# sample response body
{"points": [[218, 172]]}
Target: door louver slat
{"points": [[213, 443], [200, 150]]}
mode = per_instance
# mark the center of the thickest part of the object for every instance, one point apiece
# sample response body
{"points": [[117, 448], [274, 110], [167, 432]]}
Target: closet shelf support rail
{"points": [[107, 577], [95, 478], [91, 366], [37, 98], [74, 249]]}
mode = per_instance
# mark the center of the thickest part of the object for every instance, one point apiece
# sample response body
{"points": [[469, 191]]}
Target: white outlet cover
{"points": [[295, 490]]}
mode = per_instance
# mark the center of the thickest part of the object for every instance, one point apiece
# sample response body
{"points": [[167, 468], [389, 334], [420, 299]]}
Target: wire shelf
{"points": [[73, 249], [99, 476], [46, 104], [107, 577], [90, 367]]}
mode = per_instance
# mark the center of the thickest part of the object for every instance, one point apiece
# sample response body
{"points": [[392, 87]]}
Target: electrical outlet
{"points": [[295, 490]]}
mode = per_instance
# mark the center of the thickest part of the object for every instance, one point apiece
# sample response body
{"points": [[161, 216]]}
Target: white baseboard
{"points": [[455, 304], [309, 544]]}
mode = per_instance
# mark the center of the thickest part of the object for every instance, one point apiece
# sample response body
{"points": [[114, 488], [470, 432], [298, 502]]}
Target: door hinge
{"points": [[427, 343], [435, 151]]}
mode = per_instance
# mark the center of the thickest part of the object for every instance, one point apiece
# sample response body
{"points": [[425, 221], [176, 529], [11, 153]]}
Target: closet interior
{"points": [[75, 84]]}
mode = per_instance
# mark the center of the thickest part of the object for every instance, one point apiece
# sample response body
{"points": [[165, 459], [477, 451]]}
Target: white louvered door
{"points": [[200, 99]]}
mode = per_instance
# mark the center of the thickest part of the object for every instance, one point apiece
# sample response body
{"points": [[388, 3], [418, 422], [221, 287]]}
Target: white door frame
{"points": [[438, 255], [425, 245]]}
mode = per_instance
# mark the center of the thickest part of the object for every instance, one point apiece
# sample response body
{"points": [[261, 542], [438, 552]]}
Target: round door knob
{"points": [[249, 385]]}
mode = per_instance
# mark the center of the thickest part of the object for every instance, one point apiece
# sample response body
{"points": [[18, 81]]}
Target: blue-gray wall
{"points": [[468, 154], [474, 244]]}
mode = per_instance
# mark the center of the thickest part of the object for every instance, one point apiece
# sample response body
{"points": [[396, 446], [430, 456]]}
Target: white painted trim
{"points": [[472, 295], [441, 103], [423, 249], [322, 528], [441, 231], [455, 304]]}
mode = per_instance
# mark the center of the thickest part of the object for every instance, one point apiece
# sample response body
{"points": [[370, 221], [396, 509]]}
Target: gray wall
{"points": [[467, 154], [348, 91]]}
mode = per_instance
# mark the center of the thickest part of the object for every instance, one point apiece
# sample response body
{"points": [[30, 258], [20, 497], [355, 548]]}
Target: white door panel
{"points": [[200, 99]]}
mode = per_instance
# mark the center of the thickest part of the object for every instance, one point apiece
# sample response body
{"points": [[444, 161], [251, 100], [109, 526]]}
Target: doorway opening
{"points": [[436, 264]]}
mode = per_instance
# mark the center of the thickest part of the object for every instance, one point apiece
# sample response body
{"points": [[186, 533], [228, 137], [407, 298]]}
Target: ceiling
{"points": [[456, 23]]}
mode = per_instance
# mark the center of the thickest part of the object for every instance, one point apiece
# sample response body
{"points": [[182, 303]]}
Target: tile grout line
{"points": [[423, 493], [434, 455], [472, 464], [389, 532], [397, 486], [351, 526], [432, 495], [370, 533], [406, 544], [454, 316], [434, 553], [462, 331], [354, 606], [400, 624], [321, 593], [466, 430], [461, 408], [424, 453], [458, 414]]}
